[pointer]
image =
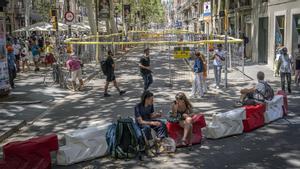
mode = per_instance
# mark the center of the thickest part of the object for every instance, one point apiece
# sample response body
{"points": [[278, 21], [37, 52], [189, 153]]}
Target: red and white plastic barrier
{"points": [[176, 132], [83, 144], [29, 154], [285, 101], [254, 117], [226, 124], [274, 109]]}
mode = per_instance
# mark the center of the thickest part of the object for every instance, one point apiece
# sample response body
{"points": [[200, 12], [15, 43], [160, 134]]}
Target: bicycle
{"points": [[58, 76]]}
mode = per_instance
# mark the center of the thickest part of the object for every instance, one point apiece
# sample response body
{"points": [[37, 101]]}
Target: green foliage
{"points": [[43, 8], [153, 10]]}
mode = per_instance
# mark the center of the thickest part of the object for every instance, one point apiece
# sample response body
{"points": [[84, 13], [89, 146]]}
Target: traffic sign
{"points": [[207, 11], [69, 16]]}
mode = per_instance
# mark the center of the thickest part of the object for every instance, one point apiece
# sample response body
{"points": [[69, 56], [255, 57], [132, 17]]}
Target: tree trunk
{"points": [[91, 15], [27, 14], [113, 24]]}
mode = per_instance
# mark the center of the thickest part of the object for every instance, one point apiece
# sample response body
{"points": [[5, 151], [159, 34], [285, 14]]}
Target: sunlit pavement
{"points": [[272, 146]]}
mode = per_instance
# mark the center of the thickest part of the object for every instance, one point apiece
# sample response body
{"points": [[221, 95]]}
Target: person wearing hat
{"points": [[145, 69], [110, 75], [285, 69], [11, 61], [74, 65]]}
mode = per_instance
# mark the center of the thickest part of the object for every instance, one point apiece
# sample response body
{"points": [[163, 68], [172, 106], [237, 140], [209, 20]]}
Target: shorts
{"points": [[36, 58], [24, 58], [110, 77], [50, 59], [76, 74]]}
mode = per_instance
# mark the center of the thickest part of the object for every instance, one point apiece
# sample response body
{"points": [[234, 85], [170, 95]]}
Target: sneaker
{"points": [[106, 95], [122, 92]]}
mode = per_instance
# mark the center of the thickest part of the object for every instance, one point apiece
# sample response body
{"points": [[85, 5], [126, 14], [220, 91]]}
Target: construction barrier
{"points": [[285, 101], [89, 143], [274, 109], [82, 145], [254, 117], [29, 154], [176, 132], [226, 124]]}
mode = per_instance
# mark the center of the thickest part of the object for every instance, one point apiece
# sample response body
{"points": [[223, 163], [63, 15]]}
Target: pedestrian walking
{"points": [[218, 57], [17, 50], [35, 55], [49, 59], [74, 65], [197, 87], [205, 86], [25, 58], [12, 70], [145, 69], [110, 75], [285, 61]]}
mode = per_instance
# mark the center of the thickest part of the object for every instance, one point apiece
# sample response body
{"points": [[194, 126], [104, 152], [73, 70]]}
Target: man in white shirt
{"points": [[17, 49], [285, 61], [219, 56]]}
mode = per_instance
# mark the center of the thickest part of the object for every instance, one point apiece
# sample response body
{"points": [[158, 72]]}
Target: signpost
{"points": [[206, 11], [207, 19]]}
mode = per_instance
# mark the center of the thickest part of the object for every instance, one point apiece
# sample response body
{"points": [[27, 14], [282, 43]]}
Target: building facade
{"points": [[284, 26]]}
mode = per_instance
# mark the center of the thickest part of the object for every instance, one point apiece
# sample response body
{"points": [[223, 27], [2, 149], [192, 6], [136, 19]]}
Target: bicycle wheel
{"points": [[68, 81], [49, 79]]}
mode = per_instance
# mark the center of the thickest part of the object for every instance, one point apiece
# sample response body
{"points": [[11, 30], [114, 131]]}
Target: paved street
{"points": [[54, 110]]}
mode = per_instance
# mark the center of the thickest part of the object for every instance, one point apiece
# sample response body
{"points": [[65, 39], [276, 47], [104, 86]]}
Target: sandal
{"points": [[183, 143]]}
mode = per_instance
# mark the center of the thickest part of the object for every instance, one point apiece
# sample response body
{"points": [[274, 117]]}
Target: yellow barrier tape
{"points": [[156, 42]]}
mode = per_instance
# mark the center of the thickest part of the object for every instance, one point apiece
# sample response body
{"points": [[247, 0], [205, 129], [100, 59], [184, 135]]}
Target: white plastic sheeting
{"points": [[274, 109], [81, 145], [226, 124]]}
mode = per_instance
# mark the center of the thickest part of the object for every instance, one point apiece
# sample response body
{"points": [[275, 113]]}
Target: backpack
{"points": [[111, 137], [269, 92], [104, 67], [125, 139]]}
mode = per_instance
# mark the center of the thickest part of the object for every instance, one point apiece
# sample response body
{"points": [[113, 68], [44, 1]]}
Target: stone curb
{"points": [[11, 131]]}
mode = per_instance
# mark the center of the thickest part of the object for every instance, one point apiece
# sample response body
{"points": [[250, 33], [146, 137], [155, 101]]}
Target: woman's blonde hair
{"points": [[182, 96]]}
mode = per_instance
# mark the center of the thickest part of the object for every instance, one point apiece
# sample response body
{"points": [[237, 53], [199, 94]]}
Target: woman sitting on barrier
{"points": [[146, 117], [182, 113]]}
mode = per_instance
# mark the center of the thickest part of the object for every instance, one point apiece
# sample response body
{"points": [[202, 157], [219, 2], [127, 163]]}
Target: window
{"points": [[297, 23], [280, 28], [245, 3]]}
